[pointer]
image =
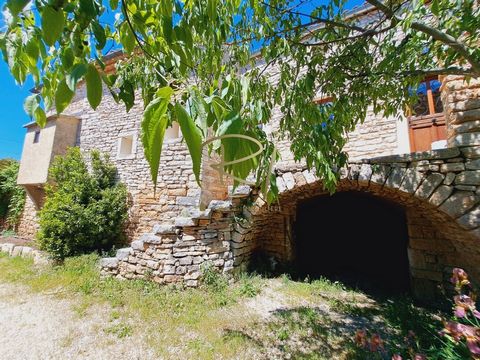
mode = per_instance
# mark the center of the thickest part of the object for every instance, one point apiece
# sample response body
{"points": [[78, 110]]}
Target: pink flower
{"points": [[459, 312], [474, 346], [396, 357], [420, 357], [459, 277], [464, 303]]}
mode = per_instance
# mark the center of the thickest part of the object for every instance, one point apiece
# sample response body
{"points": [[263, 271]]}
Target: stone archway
{"points": [[353, 237], [440, 200]]}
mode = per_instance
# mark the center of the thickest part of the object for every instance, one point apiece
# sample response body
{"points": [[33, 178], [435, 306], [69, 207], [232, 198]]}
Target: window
{"points": [[429, 101], [36, 137], [172, 132], [426, 119], [126, 147]]}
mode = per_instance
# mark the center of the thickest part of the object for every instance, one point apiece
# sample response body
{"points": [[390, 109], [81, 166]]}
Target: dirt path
{"points": [[38, 326]]}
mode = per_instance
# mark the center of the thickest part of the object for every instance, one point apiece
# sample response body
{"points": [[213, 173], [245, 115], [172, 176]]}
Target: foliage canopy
{"points": [[191, 62], [84, 210]]}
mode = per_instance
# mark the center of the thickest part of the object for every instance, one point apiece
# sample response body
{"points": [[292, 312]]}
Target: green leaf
{"points": [[88, 9], [16, 6], [33, 51], [40, 117], [94, 86], [31, 104], [127, 38], [127, 95], [63, 97], [68, 57], [99, 33], [193, 137], [154, 124], [434, 7], [52, 24], [75, 75]]}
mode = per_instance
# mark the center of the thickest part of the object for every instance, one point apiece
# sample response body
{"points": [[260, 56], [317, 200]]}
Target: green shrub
{"points": [[12, 196], [84, 210]]}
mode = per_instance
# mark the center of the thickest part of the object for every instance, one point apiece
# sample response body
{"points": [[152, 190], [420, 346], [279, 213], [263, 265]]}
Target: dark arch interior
{"points": [[353, 237]]}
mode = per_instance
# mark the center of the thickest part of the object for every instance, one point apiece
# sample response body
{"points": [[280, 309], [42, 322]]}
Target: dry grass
{"points": [[255, 318]]}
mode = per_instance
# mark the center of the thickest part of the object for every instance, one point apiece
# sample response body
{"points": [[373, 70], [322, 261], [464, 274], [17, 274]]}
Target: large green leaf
{"points": [[99, 33], [52, 24], [63, 97], [75, 75], [16, 6], [193, 137], [31, 104], [154, 124], [94, 86], [127, 38], [40, 117]]}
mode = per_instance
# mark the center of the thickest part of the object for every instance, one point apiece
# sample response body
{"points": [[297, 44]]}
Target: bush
{"points": [[84, 210], [12, 196]]}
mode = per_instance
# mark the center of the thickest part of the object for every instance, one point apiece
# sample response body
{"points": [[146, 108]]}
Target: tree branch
{"points": [[435, 34]]}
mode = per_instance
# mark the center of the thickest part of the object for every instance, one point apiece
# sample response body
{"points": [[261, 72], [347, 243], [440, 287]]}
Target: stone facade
{"points": [[439, 191], [28, 225], [102, 130], [442, 209]]}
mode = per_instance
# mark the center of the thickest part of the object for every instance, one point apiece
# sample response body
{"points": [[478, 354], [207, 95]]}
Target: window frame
{"points": [[434, 120], [133, 153], [36, 136]]}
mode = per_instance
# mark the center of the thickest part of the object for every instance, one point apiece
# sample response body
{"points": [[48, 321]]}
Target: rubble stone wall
{"points": [[440, 191]]}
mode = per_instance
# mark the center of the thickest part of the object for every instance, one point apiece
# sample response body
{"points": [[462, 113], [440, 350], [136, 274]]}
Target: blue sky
{"points": [[12, 115], [11, 103]]}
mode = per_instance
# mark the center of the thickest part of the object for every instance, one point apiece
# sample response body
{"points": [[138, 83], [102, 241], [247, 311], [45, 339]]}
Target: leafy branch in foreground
{"points": [[192, 62]]}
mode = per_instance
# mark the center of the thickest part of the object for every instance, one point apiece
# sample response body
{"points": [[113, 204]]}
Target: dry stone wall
{"points": [[440, 191], [28, 224]]}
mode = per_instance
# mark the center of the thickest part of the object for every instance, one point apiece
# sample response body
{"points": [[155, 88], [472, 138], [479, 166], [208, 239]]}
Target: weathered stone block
{"points": [[185, 222], [123, 254], [379, 174], [187, 201], [469, 177], [467, 139], [445, 168], [440, 195], [109, 263], [449, 178], [137, 245], [429, 185], [309, 176], [161, 229], [365, 173], [471, 219], [471, 152], [395, 178], [411, 181], [289, 180], [281, 184], [473, 164], [219, 205], [150, 239], [459, 203]]}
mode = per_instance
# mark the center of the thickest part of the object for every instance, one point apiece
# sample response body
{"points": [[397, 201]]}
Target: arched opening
{"points": [[353, 237]]}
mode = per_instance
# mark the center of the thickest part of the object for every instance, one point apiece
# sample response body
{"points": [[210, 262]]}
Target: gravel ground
{"points": [[41, 326]]}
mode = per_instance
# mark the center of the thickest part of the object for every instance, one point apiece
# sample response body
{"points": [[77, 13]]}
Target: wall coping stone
{"points": [[447, 153]]}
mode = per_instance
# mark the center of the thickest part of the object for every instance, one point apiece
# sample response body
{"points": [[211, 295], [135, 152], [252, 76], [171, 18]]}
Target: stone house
{"points": [[409, 197]]}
